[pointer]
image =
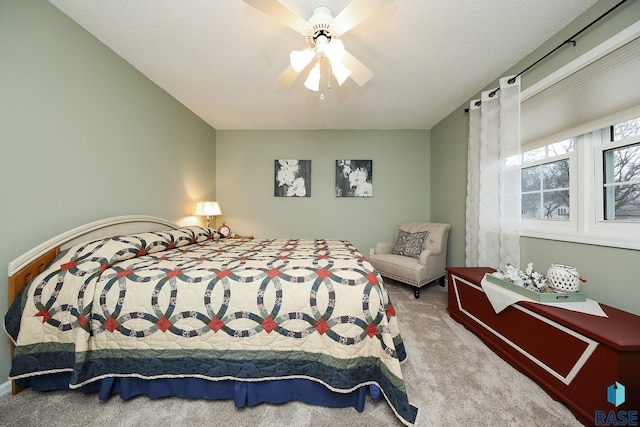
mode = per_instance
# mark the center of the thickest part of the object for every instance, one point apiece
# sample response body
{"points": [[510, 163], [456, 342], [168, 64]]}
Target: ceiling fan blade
{"points": [[288, 77], [356, 12], [359, 72], [280, 12]]}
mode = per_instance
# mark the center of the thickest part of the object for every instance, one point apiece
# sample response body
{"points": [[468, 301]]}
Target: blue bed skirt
{"points": [[243, 393]]}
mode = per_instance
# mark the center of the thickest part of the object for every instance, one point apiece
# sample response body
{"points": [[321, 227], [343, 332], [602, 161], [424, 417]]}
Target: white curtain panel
{"points": [[493, 178]]}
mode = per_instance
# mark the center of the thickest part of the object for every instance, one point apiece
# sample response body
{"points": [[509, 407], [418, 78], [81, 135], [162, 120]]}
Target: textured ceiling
{"points": [[221, 59]]}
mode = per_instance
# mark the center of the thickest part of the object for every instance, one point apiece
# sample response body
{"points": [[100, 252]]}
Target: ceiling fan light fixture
{"points": [[313, 80], [322, 32], [301, 58], [340, 72]]}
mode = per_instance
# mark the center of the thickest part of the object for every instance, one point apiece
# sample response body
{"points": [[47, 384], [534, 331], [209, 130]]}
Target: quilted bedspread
{"points": [[181, 304]]}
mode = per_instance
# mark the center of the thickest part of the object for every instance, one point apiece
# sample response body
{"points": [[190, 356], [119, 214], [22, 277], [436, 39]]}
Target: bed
{"points": [[137, 305]]}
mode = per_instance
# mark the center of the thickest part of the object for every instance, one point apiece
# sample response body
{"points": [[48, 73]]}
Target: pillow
{"points": [[409, 244]]}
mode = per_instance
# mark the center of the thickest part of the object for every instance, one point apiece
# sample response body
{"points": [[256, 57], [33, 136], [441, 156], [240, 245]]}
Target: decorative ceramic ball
{"points": [[563, 278]]}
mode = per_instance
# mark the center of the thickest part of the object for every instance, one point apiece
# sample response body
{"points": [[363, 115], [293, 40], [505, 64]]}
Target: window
{"points": [[585, 188], [594, 102], [546, 183], [545, 190], [621, 182]]}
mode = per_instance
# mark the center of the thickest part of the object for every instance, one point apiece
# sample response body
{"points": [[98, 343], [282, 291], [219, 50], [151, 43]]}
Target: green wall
{"points": [[245, 183], [84, 136], [449, 180], [611, 272]]}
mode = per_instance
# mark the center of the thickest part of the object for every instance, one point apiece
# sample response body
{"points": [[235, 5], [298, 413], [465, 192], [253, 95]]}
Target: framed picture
{"points": [[354, 178], [292, 178]]}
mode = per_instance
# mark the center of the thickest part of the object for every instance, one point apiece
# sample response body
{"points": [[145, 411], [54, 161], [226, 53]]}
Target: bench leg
{"points": [[416, 293]]}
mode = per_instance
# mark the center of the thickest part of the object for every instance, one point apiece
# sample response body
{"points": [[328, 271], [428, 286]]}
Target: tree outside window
{"points": [[622, 175]]}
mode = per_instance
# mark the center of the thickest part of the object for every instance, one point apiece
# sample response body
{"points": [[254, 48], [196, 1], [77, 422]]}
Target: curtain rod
{"points": [[567, 41]]}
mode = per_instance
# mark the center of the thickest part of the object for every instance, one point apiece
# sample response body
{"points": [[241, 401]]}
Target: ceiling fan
{"points": [[325, 49]]}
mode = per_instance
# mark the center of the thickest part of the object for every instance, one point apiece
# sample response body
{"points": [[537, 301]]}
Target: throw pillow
{"points": [[409, 244]]}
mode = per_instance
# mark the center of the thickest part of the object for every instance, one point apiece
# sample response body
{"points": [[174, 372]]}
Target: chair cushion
{"points": [[409, 244], [402, 268]]}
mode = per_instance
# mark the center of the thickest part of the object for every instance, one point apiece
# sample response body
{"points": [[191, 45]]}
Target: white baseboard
{"points": [[5, 388]]}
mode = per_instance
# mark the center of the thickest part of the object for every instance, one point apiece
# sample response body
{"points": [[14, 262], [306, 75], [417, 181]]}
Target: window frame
{"points": [[619, 228], [586, 223], [541, 162], [550, 226]]}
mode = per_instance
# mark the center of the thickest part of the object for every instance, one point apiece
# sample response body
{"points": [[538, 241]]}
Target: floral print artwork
{"points": [[292, 178], [354, 178]]}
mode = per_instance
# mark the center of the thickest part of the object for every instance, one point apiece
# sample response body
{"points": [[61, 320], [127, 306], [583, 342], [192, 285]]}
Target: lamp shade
{"points": [[207, 209], [301, 58], [334, 50], [340, 72], [313, 81]]}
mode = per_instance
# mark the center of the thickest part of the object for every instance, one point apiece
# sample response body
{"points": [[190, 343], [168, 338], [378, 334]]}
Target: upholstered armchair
{"points": [[416, 256]]}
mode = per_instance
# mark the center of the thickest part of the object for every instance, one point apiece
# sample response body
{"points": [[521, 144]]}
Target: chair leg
{"points": [[416, 293]]}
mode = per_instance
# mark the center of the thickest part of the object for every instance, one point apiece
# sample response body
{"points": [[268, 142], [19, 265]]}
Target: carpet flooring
{"points": [[451, 376]]}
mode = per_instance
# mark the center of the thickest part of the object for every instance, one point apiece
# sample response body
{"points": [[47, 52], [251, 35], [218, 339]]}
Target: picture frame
{"points": [[354, 178], [292, 178]]}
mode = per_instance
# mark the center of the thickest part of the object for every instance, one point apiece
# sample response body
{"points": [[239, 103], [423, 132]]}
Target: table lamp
{"points": [[207, 209]]}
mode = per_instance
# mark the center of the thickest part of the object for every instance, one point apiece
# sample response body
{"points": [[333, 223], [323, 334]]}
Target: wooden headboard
{"points": [[28, 265], [19, 279]]}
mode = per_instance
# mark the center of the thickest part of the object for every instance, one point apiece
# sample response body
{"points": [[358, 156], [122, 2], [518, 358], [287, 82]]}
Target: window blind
{"points": [[600, 89]]}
